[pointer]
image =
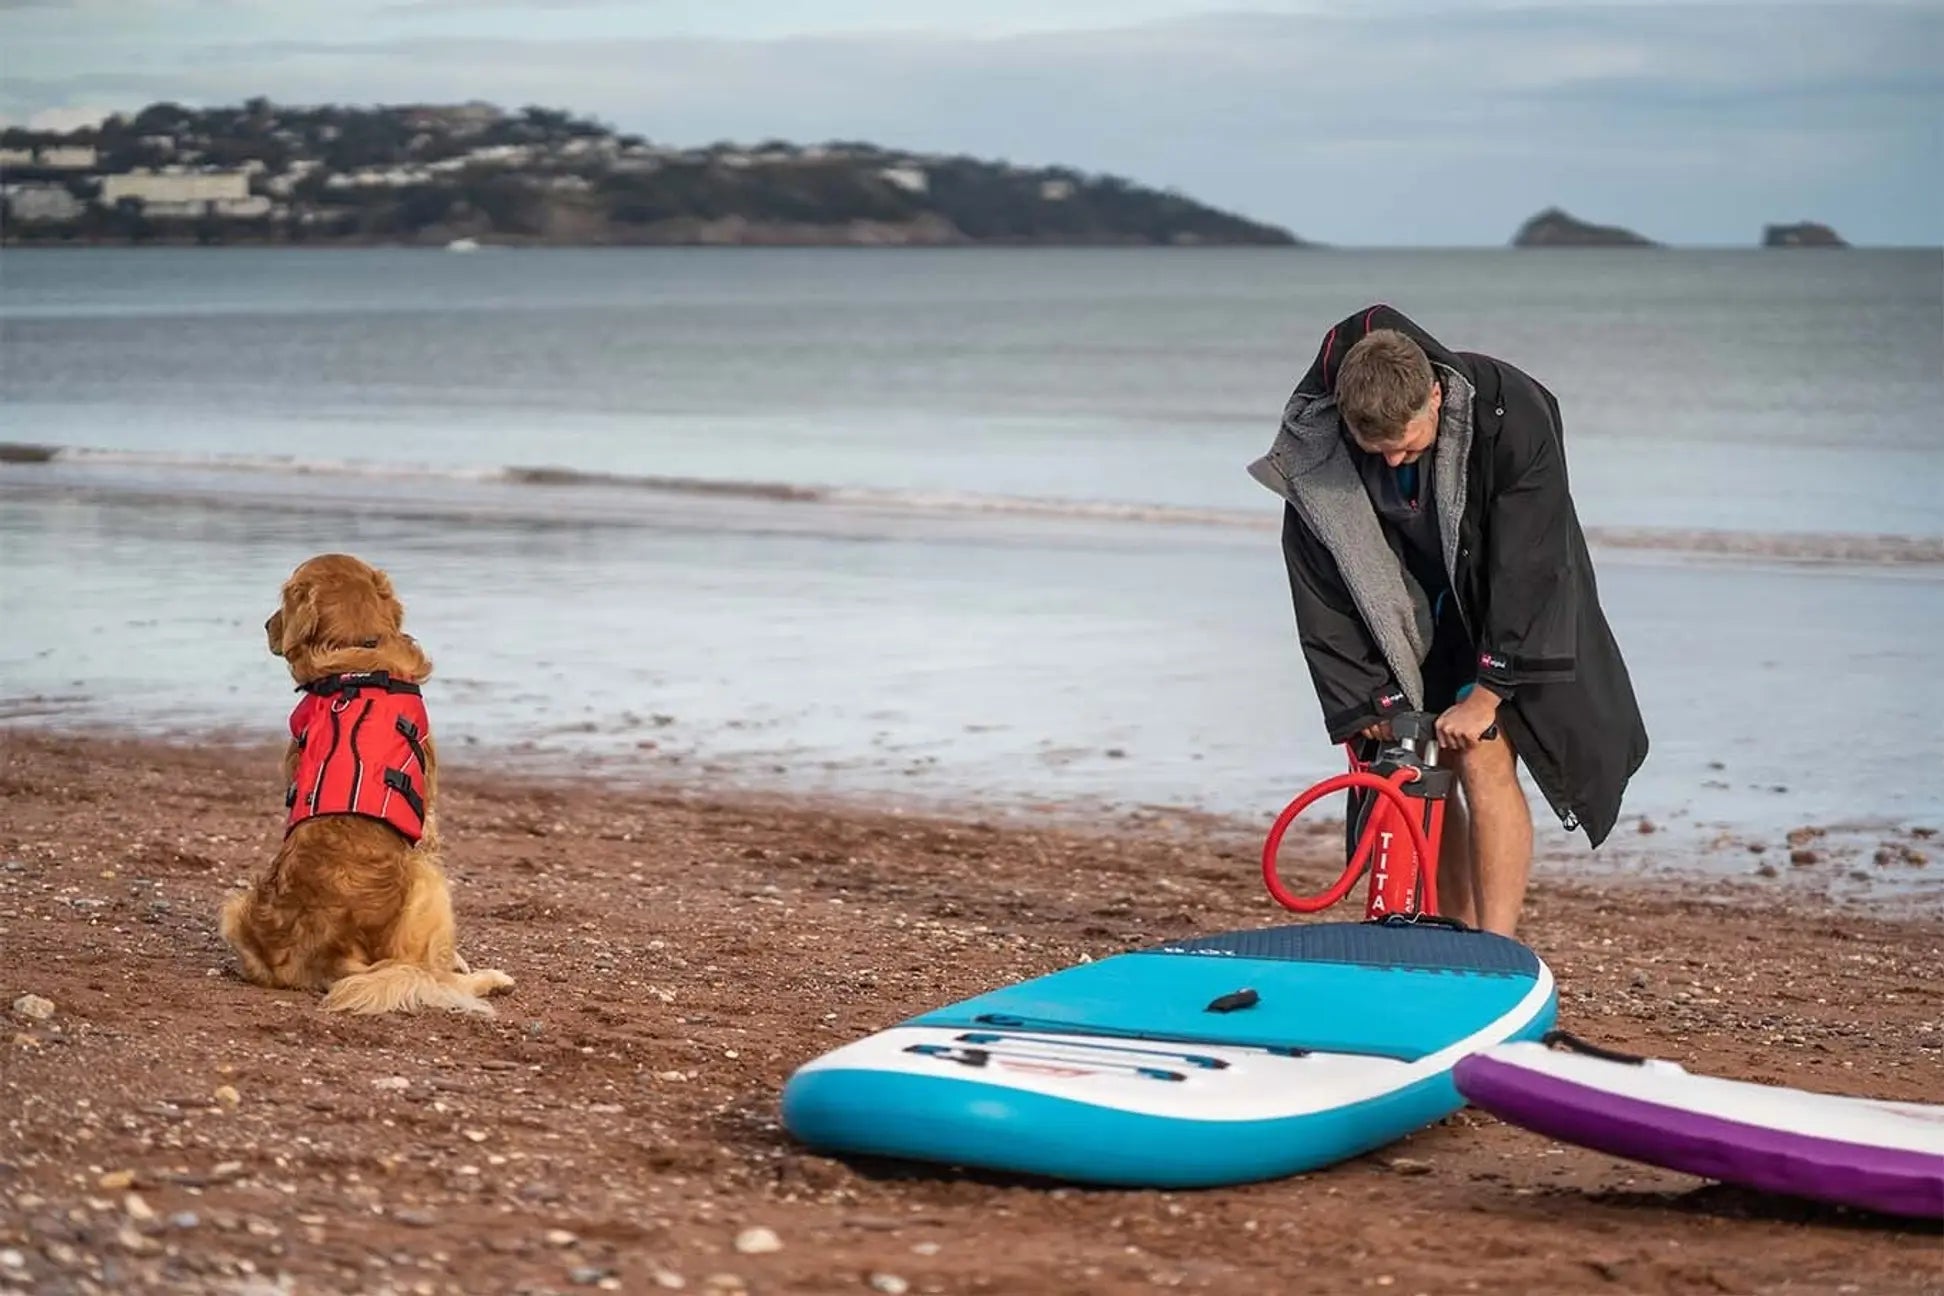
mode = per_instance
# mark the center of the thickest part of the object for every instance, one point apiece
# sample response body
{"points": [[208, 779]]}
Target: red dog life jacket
{"points": [[361, 750]]}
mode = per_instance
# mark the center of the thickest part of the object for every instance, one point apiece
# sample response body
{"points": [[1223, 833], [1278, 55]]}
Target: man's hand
{"points": [[1379, 732], [1464, 725]]}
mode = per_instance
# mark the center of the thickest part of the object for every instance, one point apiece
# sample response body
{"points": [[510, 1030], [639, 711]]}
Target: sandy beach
{"points": [[169, 1128]]}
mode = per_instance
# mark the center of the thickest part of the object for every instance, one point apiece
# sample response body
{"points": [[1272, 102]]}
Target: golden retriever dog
{"points": [[355, 904]]}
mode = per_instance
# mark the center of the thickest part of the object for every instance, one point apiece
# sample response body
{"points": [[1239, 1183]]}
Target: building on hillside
{"points": [[186, 193], [33, 203], [69, 157], [458, 119], [151, 188], [247, 208]]}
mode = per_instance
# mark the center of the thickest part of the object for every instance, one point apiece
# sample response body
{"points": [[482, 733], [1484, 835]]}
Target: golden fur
{"points": [[348, 906]]}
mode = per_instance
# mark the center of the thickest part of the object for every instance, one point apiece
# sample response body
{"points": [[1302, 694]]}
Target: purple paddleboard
{"points": [[1882, 1156]]}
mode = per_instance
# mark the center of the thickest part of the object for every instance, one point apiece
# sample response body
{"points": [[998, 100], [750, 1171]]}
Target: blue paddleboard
{"points": [[1222, 1059]]}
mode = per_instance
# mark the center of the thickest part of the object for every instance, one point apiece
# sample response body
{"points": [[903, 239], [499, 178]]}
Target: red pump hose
{"points": [[1388, 789]]}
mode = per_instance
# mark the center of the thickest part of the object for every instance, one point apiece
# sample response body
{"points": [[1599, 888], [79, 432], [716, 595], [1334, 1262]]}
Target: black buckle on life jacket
{"points": [[413, 739], [401, 782], [352, 681]]}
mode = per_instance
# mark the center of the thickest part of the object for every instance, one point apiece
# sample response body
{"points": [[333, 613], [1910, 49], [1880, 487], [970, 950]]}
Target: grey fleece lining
{"points": [[1309, 465]]}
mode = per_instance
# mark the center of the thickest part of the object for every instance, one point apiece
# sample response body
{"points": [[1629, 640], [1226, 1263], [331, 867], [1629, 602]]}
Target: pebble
{"points": [[116, 1180], [415, 1217], [184, 1220], [138, 1210], [34, 1007], [925, 1248], [560, 1238], [890, 1284], [131, 1240], [725, 1282], [758, 1241], [391, 1082], [668, 1280], [586, 1275], [227, 1095], [12, 1259]]}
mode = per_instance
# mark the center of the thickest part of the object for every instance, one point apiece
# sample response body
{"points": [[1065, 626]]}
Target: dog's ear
{"points": [[394, 610], [295, 623]]}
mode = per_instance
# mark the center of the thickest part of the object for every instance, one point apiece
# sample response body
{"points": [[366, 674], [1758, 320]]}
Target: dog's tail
{"points": [[392, 985]]}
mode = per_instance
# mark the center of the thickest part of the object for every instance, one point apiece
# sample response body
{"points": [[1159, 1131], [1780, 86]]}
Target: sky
{"points": [[1357, 122]]}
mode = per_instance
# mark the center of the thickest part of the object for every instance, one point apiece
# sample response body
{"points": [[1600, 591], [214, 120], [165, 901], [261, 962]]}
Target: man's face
{"points": [[1417, 437]]}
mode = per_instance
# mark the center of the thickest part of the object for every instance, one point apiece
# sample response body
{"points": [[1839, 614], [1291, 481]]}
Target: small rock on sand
{"points": [[33, 1007], [758, 1241]]}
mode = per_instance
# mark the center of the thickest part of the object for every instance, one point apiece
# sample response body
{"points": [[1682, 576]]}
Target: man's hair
{"points": [[1385, 379]]}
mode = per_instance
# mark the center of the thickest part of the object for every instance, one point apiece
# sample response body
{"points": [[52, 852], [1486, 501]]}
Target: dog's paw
{"points": [[491, 981]]}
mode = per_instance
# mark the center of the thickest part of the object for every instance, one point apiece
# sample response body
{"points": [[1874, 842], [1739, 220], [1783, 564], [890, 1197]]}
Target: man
{"points": [[1436, 564]]}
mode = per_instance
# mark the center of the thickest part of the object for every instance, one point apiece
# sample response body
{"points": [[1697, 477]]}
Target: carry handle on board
{"points": [[1394, 825]]}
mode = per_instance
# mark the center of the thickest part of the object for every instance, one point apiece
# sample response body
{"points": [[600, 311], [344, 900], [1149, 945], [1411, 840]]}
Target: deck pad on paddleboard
{"points": [[1884, 1156], [1219, 1059]]}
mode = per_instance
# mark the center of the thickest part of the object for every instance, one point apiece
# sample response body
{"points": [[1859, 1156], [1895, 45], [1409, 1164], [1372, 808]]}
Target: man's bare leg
{"points": [[1457, 892], [1501, 833]]}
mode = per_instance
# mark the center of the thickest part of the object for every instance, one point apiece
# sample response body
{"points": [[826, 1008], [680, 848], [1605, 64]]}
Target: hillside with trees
{"points": [[466, 173]]}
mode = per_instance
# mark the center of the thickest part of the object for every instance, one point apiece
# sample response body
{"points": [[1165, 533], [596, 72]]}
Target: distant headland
{"points": [[1802, 234], [472, 174], [1553, 228]]}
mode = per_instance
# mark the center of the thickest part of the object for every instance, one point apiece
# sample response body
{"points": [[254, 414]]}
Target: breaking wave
{"points": [[1780, 546]]}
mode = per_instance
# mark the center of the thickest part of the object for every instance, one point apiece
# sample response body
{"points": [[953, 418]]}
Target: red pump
{"points": [[1396, 825]]}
